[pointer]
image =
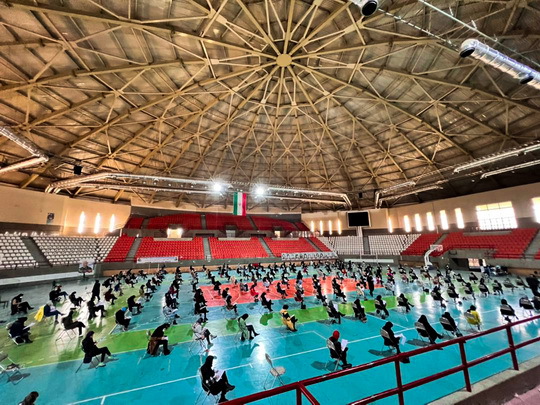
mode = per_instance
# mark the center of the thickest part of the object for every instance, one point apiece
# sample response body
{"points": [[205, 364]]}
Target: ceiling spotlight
{"points": [[259, 191], [367, 7], [217, 187]]}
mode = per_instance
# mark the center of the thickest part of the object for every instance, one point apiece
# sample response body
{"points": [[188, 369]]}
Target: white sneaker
{"points": [[101, 364]]}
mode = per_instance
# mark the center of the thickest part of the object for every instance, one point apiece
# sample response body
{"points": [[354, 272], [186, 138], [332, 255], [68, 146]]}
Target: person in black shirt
{"points": [[69, 323], [90, 350], [96, 289], [77, 301], [432, 333], [211, 383], [121, 318], [131, 303], [337, 352], [157, 339], [19, 332], [18, 305]]}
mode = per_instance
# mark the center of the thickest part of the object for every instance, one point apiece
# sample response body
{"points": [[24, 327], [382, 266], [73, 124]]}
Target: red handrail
{"points": [[301, 386]]}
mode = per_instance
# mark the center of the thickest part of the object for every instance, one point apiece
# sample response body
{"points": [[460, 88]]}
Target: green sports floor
{"points": [[52, 365]]}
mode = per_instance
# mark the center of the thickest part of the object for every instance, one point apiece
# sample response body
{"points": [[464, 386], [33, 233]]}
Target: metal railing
{"points": [[300, 387]]}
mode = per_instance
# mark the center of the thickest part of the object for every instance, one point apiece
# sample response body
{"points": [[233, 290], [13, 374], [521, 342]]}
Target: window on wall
{"points": [[430, 221], [536, 207], [496, 216], [444, 220], [459, 218], [407, 223], [418, 223]]}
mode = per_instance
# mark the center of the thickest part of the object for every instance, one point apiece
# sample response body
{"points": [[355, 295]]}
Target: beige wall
{"points": [[32, 207], [378, 219]]}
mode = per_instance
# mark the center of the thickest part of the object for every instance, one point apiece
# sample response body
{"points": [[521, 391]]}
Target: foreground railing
{"points": [[301, 386]]}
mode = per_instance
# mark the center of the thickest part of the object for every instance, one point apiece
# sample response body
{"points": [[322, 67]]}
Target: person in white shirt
{"points": [[201, 332]]}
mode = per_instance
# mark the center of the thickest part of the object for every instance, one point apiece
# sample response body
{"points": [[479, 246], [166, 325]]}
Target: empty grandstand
{"points": [[60, 250], [344, 245], [14, 253], [390, 244]]}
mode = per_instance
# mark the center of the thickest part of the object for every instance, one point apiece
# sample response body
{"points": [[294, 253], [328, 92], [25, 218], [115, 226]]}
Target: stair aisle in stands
{"points": [[206, 247], [35, 251], [313, 244], [534, 246], [133, 250], [266, 247]]}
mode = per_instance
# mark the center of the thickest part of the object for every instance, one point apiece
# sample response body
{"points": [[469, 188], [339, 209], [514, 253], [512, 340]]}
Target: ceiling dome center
{"points": [[284, 60]]}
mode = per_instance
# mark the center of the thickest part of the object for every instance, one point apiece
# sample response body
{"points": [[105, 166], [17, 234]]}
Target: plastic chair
{"points": [[275, 371]]}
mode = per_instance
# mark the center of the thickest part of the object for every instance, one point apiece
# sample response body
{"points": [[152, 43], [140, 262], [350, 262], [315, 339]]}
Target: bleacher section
{"points": [[185, 249], [509, 245], [13, 253], [344, 245], [185, 221], [230, 249], [279, 246], [322, 247], [120, 250], [390, 244], [134, 223], [421, 244], [63, 250], [221, 221], [301, 226], [269, 224]]}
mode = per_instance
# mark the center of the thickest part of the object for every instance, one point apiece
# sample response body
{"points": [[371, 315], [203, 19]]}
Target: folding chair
{"points": [[90, 363], [275, 372], [206, 389], [331, 316], [200, 340], [508, 284], [447, 327], [386, 337], [401, 304], [422, 332], [527, 305], [70, 333], [332, 349], [471, 321], [507, 312], [9, 370], [520, 283], [483, 289]]}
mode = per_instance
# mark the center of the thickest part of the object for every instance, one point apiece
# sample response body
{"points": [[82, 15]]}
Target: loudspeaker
{"points": [[360, 195], [77, 170]]}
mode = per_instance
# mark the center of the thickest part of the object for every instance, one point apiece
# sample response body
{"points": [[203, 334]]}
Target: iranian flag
{"points": [[240, 204]]}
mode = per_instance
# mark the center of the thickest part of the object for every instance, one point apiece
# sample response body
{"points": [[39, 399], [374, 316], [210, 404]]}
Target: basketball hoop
{"points": [[436, 248]]}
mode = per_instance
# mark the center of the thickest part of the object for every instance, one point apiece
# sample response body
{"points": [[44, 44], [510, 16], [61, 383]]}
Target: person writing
{"points": [[452, 323], [247, 330], [90, 349], [122, 319], [433, 335], [404, 302], [201, 332], [19, 332], [392, 340], [18, 305], [359, 310], [475, 317], [338, 350], [158, 339], [132, 304], [215, 381], [70, 324], [288, 320]]}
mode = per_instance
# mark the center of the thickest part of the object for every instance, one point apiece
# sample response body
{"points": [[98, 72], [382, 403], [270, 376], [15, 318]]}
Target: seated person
{"points": [[475, 317], [288, 320], [93, 309], [50, 310], [70, 324], [109, 296], [333, 312], [254, 294], [18, 305], [90, 349], [506, 310], [437, 296], [122, 319], [393, 340], [246, 330], [215, 381], [56, 293], [144, 293], [76, 301], [451, 323], [230, 306], [132, 304], [469, 290], [201, 332], [337, 351], [170, 313], [497, 287], [433, 335], [536, 302], [200, 309], [158, 339], [359, 310], [19, 332], [380, 305], [281, 291], [266, 302], [404, 302]]}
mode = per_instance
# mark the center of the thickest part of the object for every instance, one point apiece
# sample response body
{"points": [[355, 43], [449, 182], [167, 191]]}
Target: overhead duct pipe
{"points": [[367, 7], [499, 61], [39, 155]]}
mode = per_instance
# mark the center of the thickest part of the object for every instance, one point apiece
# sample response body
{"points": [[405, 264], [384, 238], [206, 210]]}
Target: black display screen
{"points": [[359, 218]]}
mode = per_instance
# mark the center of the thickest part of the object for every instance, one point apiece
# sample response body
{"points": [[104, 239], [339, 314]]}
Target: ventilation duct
{"points": [[38, 155], [367, 7], [499, 61]]}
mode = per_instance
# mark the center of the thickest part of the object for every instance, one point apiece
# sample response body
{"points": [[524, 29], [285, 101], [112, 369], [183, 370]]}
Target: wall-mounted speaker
{"points": [[77, 170], [360, 195]]}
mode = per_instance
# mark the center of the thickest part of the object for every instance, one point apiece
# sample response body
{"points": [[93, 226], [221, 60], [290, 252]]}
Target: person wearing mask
{"points": [[158, 339], [433, 335], [452, 323], [476, 321], [393, 340], [497, 287], [201, 309], [96, 289], [50, 310], [56, 293], [230, 306], [122, 319], [334, 312], [215, 381], [30, 399], [70, 324], [404, 302], [76, 301], [201, 332], [246, 330], [381, 307], [19, 332], [338, 350], [266, 302], [288, 320], [132, 304], [90, 349], [18, 305]]}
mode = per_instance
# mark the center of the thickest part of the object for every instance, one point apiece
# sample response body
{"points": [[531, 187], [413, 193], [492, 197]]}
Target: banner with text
{"points": [[309, 256], [166, 259]]}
